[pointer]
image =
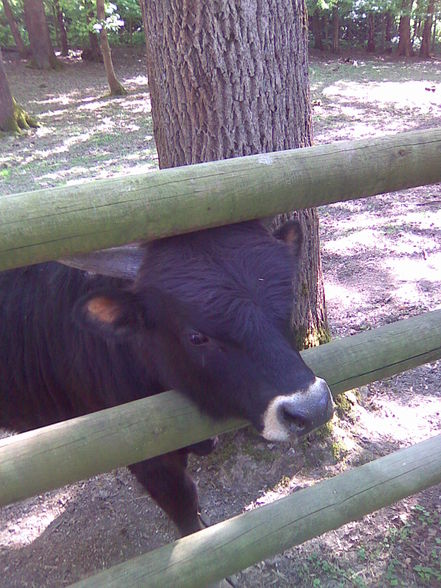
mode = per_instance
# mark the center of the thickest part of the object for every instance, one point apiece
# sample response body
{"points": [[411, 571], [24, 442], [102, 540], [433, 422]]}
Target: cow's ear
{"points": [[111, 313], [291, 233]]}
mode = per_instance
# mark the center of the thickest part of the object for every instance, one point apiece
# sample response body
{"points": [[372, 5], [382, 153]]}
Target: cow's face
{"points": [[210, 314]]}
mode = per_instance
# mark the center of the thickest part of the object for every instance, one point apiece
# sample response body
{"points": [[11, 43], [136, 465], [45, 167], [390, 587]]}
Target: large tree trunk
{"points": [[116, 88], [7, 121], [43, 56], [12, 117], [14, 29], [427, 30], [404, 43], [230, 79]]}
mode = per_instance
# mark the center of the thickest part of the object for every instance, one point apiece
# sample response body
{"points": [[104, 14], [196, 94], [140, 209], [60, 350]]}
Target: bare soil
{"points": [[382, 262]]}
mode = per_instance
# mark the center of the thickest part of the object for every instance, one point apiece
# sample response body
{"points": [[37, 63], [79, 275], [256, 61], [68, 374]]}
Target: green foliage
{"points": [[353, 20], [323, 573], [123, 21], [6, 38]]}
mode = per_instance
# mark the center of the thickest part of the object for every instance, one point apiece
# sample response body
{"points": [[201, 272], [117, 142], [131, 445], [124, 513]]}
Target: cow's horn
{"points": [[117, 262]]}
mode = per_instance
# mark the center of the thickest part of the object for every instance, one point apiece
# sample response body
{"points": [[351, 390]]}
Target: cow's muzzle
{"points": [[296, 415]]}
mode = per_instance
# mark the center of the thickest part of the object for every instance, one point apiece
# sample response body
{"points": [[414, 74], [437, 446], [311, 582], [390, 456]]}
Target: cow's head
{"points": [[210, 314]]}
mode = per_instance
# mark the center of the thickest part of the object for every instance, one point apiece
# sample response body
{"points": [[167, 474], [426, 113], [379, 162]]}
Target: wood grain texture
{"points": [[230, 546], [52, 456], [229, 79], [49, 224]]}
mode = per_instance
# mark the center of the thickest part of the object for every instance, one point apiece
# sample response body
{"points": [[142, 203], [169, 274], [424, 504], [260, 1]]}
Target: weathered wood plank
{"points": [[53, 223], [237, 543], [50, 457]]}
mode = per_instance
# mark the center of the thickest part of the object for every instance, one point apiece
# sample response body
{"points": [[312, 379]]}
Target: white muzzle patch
{"points": [[273, 428], [313, 407]]}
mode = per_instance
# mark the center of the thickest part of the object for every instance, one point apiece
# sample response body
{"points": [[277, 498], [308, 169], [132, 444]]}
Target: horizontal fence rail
{"points": [[50, 457], [228, 547], [50, 224]]}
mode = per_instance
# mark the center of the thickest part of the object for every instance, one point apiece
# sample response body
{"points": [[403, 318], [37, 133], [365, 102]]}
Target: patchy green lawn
{"points": [[84, 133], [369, 97]]}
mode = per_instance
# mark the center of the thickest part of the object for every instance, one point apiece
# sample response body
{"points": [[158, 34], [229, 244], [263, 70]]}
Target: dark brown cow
{"points": [[205, 313]]}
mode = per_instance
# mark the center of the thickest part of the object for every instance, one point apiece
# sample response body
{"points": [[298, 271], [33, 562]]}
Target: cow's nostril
{"points": [[293, 419]]}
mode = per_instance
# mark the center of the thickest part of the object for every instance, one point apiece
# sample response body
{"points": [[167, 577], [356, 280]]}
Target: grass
{"points": [[369, 95], [391, 556]]}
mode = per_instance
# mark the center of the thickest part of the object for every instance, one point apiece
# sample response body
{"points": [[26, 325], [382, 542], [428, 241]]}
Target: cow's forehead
{"points": [[241, 259], [229, 245], [235, 278]]}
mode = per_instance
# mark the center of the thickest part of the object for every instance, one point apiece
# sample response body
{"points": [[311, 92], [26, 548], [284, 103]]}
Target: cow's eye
{"points": [[198, 338]]}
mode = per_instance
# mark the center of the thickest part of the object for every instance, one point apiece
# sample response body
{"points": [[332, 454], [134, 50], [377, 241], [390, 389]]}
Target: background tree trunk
{"points": [[427, 30], [116, 88], [404, 43], [93, 51], [388, 31], [324, 21], [64, 46], [335, 30], [12, 117], [371, 33], [316, 24], [43, 56], [230, 79], [14, 29]]}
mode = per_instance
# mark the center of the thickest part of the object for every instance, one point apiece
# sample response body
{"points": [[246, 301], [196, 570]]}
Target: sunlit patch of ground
{"points": [[369, 98], [34, 518], [84, 132]]}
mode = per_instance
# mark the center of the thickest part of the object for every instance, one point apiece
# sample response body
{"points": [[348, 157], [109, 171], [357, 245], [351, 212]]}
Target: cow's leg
{"points": [[166, 480]]}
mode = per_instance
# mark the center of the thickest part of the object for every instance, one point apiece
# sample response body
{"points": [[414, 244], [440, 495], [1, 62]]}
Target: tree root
{"points": [[118, 89], [20, 121]]}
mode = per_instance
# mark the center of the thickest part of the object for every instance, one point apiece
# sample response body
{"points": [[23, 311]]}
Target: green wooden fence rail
{"points": [[50, 224], [52, 456], [230, 546]]}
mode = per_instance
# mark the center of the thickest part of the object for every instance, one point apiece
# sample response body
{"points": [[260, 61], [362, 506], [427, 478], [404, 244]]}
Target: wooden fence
{"points": [[49, 224]]}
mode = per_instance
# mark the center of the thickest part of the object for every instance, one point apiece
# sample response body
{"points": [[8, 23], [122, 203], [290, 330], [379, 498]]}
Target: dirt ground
{"points": [[382, 262]]}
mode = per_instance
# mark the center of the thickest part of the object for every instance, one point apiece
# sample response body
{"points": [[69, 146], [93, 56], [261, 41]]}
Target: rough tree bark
{"points": [[14, 29], [427, 30], [43, 56], [230, 79], [404, 43], [116, 88], [12, 116]]}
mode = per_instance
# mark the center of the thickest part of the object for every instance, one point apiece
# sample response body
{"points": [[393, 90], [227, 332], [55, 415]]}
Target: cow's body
{"points": [[207, 314]]}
